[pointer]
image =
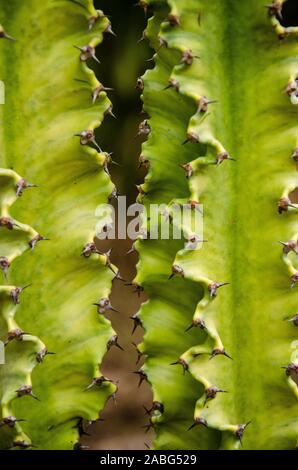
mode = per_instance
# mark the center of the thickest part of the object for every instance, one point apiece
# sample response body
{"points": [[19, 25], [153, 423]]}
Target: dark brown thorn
{"points": [[291, 245], [79, 446], [294, 279], [291, 88], [194, 205], [275, 9], [182, 363], [214, 286], [42, 354], [108, 261], [87, 52], [199, 18], [26, 390], [191, 137], [103, 305], [119, 277], [89, 249], [38, 238], [294, 319], [188, 57], [91, 22], [295, 155], [197, 323], [162, 43], [221, 157], [96, 92], [173, 20], [156, 406], [4, 265], [219, 352], [283, 205], [80, 427], [22, 444], [4, 35], [109, 30], [16, 334], [142, 38], [143, 162], [131, 250], [109, 112], [142, 376], [240, 431], [188, 170], [137, 322], [211, 392], [23, 184], [292, 371], [173, 83], [147, 427], [10, 421], [87, 137], [176, 271], [295, 94], [139, 353], [144, 129], [93, 19], [16, 292], [114, 342], [140, 189], [198, 422], [81, 80]]}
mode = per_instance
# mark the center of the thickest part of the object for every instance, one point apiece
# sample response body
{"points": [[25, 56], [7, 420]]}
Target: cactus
{"points": [[55, 339], [221, 321], [224, 85]]}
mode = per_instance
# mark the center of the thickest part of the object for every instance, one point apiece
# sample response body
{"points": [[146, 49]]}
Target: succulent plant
{"points": [[224, 87], [220, 342]]}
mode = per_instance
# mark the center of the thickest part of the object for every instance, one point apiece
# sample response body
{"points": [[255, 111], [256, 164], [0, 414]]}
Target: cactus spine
{"points": [[221, 322], [231, 342]]}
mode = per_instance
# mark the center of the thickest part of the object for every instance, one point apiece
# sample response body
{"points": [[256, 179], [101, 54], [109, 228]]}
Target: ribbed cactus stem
{"points": [[225, 87], [51, 95]]}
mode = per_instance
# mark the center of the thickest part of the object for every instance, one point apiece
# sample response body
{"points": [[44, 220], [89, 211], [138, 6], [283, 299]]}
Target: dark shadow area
{"points": [[123, 60], [290, 13]]}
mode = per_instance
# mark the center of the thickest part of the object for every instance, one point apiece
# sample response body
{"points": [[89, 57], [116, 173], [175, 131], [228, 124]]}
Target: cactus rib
{"points": [[193, 49], [49, 84], [17, 239]]}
